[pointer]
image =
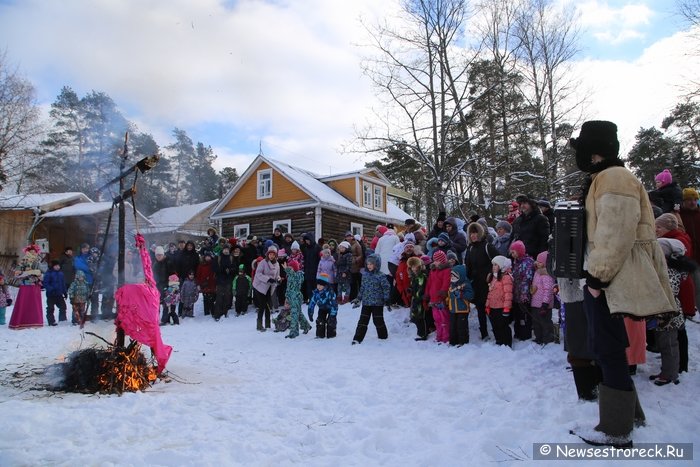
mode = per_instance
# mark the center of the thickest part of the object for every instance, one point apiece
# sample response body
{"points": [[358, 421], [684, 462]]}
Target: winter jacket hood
{"points": [[476, 228]]}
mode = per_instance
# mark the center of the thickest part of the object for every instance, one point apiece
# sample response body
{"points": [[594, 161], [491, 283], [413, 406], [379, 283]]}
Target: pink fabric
{"points": [[27, 312], [139, 308], [543, 284], [442, 324], [637, 336]]}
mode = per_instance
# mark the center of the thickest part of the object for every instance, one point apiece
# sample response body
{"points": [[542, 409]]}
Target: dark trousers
{"points": [[395, 296], [356, 278], [481, 314], [542, 325], [501, 327], [262, 303], [209, 300], [326, 324], [241, 304], [224, 295], [376, 312], [683, 350], [522, 322], [422, 324], [459, 328], [607, 339], [169, 313], [59, 303]]}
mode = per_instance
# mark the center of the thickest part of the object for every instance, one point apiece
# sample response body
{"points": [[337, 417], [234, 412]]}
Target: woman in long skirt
{"points": [[27, 312]]}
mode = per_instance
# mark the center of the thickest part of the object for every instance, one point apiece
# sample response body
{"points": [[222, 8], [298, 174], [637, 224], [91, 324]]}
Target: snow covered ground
{"points": [[240, 397]]}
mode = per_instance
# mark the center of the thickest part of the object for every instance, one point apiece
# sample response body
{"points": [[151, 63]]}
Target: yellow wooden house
{"points": [[273, 194]]}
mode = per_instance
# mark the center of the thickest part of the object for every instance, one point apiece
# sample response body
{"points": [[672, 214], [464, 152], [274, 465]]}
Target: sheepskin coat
{"points": [[622, 250]]}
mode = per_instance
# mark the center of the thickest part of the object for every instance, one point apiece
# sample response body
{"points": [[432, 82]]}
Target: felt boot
{"points": [[586, 379]]}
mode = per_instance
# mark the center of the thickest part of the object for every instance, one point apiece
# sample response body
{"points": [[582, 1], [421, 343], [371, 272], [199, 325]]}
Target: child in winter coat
{"points": [[55, 287], [460, 293], [374, 294], [78, 294], [326, 265], [436, 289], [171, 299], [542, 290], [343, 272], [5, 298], [294, 298], [242, 290], [419, 306], [667, 326], [523, 271], [189, 295], [500, 300], [327, 301]]}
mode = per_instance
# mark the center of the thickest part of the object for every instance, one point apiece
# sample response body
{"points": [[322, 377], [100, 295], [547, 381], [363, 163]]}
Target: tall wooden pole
{"points": [[122, 233]]}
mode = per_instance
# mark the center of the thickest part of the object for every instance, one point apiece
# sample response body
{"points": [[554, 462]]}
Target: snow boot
{"points": [[586, 379], [616, 410], [639, 417]]}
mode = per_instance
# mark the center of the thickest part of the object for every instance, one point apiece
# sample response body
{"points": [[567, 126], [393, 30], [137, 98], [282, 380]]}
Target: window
{"points": [[284, 225], [264, 183], [378, 198], [367, 194], [356, 228], [241, 230]]}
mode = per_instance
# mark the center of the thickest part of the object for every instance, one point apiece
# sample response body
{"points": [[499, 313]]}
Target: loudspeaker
{"points": [[567, 247]]}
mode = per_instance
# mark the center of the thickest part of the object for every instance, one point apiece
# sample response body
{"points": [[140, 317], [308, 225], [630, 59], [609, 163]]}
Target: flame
{"points": [[126, 370]]}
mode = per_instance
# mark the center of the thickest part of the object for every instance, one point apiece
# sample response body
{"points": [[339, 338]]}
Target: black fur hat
{"points": [[596, 137]]}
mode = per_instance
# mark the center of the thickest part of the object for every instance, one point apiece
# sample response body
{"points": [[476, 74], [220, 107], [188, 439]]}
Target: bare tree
{"points": [[19, 124], [690, 10], [549, 41], [420, 70]]}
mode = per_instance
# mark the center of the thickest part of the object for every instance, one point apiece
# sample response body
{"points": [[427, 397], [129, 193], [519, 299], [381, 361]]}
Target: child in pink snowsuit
{"points": [[436, 291], [542, 290]]}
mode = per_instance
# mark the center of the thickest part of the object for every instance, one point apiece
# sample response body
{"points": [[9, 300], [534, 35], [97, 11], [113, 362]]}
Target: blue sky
{"points": [[235, 74]]}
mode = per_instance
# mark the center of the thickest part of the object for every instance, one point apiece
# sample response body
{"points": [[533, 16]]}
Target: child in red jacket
{"points": [[500, 300], [436, 290]]}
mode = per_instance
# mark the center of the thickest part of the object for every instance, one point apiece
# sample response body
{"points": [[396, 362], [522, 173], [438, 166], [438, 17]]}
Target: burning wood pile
{"points": [[113, 370]]}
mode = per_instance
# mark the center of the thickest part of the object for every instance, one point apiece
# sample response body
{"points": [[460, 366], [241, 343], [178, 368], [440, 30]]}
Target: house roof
{"points": [[89, 208], [43, 201], [173, 218], [312, 185]]}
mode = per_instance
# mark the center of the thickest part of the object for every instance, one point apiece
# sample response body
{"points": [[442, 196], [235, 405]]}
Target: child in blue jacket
{"points": [[55, 286], [460, 293], [324, 296], [374, 295]]}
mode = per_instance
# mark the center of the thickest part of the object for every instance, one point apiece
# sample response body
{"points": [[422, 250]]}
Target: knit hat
{"points": [[374, 259], [173, 280], [295, 245], [439, 257], [160, 250], [409, 238], [288, 234], [690, 193], [323, 279], [672, 247], [414, 261], [451, 255], [543, 203], [505, 225], [271, 248], [358, 237], [542, 257], [344, 244], [519, 247], [241, 268], [502, 262], [326, 252], [444, 237], [426, 260], [294, 264], [664, 177], [382, 229], [668, 221], [282, 253]]}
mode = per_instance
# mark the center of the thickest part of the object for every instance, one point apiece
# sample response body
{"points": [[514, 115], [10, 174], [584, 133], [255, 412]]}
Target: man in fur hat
{"points": [[625, 274], [531, 227]]}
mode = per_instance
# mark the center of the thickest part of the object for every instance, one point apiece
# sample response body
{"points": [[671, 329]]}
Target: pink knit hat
{"points": [[519, 247], [542, 257], [439, 257], [664, 177]]}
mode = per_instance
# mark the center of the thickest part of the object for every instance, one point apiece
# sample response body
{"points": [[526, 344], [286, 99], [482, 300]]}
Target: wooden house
{"points": [[58, 219], [187, 222], [273, 194]]}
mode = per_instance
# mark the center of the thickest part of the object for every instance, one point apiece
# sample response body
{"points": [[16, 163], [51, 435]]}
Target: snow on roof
{"points": [[172, 218], [39, 200], [328, 196], [86, 209]]}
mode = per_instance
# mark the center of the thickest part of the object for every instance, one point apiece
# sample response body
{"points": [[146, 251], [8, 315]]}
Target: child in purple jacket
{"points": [[327, 266], [542, 290]]}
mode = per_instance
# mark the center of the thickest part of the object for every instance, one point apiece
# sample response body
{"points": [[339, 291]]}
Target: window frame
{"points": [[259, 192], [367, 203], [357, 228], [237, 230], [285, 222], [378, 203]]}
